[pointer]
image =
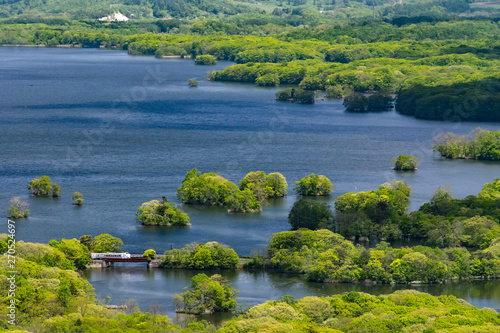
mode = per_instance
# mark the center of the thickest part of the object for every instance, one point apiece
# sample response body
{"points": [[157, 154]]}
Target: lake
{"points": [[123, 130]]}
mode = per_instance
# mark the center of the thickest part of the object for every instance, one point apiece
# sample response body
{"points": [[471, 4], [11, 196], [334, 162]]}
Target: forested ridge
{"points": [[85, 9]]}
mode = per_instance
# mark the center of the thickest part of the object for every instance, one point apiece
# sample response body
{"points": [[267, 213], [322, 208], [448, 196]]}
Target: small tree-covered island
{"points": [[161, 212], [405, 163], [212, 189]]}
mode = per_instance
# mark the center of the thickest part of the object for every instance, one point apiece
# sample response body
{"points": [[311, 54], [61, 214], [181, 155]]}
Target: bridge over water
{"points": [[134, 258]]}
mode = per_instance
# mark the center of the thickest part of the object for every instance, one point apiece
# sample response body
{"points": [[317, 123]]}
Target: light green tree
{"points": [[150, 254], [106, 243], [44, 186], [77, 198], [162, 212], [314, 185], [206, 295]]}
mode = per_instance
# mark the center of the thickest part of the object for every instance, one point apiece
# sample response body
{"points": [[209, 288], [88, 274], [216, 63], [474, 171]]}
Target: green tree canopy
{"points": [[205, 59], [44, 186], [150, 254], [211, 255], [206, 295], [265, 186], [376, 212], [310, 214], [106, 243], [162, 212], [313, 185], [77, 198], [87, 240], [405, 163], [243, 202], [491, 190], [207, 189], [18, 208], [75, 251]]}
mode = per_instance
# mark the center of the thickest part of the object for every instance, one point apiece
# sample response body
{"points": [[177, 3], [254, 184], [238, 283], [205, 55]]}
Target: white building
{"points": [[115, 17]]}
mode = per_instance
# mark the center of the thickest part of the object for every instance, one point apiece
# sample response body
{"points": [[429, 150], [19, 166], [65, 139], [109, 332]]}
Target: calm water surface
{"points": [[123, 130]]}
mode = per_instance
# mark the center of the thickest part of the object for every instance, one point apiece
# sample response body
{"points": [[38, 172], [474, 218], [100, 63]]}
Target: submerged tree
{"points": [[44, 186], [296, 95], [193, 83], [406, 163], [210, 255], [212, 189], [77, 198], [374, 213], [162, 212], [355, 103], [18, 208]]}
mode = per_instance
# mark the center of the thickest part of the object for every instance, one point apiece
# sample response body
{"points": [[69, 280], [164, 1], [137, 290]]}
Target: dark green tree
{"points": [[310, 214]]}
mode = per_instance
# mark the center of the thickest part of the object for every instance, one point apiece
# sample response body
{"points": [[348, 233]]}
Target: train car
{"points": [[110, 255]]}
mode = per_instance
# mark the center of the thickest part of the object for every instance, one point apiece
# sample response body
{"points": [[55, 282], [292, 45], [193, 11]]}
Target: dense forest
{"points": [[340, 9]]}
